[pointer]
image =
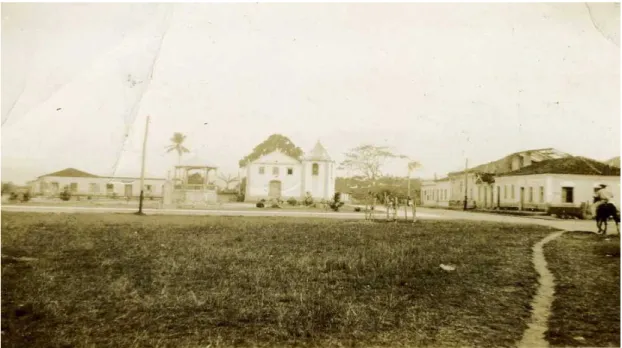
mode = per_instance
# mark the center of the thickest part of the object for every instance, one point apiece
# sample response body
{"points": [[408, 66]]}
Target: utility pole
{"points": [[142, 170], [466, 176]]}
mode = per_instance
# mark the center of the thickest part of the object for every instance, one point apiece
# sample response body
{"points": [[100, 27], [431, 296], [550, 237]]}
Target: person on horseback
{"points": [[602, 196]]}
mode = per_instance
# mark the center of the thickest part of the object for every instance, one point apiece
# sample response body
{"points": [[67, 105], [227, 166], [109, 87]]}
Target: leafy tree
{"points": [[273, 143], [8, 187], [177, 145], [367, 161]]}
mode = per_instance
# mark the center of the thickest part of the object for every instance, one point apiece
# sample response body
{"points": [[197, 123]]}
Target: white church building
{"points": [[277, 175]]}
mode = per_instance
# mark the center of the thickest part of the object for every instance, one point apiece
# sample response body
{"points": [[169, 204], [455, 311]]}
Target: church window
{"points": [[315, 169], [275, 170], [290, 171], [262, 170]]}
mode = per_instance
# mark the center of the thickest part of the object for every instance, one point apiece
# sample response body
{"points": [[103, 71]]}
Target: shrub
{"points": [[14, 196], [259, 204], [240, 197], [275, 205], [114, 195], [292, 201], [26, 196], [336, 203], [65, 195], [308, 200], [357, 209]]}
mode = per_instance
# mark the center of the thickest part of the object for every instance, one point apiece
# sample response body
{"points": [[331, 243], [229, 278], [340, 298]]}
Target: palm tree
{"points": [[177, 145]]}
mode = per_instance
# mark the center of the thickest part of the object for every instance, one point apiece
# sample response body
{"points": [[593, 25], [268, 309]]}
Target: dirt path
{"points": [[543, 301]]}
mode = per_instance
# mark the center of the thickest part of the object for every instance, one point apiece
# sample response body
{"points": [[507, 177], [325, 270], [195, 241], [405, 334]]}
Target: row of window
{"points": [[435, 195], [95, 188], [315, 170], [441, 194]]}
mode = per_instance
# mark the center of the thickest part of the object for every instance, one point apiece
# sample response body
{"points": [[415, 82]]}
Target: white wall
{"points": [[513, 185], [321, 186], [583, 187], [258, 185], [436, 193], [84, 185], [552, 184]]}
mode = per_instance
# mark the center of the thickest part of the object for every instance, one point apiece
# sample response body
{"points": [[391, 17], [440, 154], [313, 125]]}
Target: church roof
{"points": [[318, 153]]}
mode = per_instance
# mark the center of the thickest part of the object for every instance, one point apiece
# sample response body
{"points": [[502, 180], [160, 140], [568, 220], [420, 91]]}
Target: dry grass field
{"points": [[119, 280]]}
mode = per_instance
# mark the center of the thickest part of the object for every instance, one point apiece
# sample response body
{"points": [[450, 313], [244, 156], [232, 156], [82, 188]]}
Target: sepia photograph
{"points": [[310, 174]]}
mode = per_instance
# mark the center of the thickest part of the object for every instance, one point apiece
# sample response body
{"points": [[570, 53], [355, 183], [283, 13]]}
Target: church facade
{"points": [[277, 175]]}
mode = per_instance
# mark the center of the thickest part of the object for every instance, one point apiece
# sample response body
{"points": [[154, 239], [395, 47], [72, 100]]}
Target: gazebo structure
{"points": [[181, 190]]}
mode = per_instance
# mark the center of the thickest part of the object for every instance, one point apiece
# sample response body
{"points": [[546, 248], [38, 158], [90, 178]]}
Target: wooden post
{"points": [[414, 207], [466, 175], [142, 170], [387, 205]]}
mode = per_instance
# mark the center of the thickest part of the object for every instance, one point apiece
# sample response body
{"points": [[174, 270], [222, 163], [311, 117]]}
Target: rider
{"points": [[602, 196]]}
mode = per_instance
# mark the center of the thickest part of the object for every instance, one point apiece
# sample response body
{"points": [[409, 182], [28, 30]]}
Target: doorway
{"points": [[275, 189], [521, 202], [128, 190]]}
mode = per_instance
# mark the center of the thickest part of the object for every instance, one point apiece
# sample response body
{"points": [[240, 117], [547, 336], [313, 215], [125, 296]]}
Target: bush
{"points": [[292, 201], [336, 203], [26, 196], [357, 209], [275, 205], [308, 200], [260, 204], [240, 197], [14, 196], [65, 195]]}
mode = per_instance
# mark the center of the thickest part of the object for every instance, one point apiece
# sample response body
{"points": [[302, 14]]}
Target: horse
{"points": [[603, 213]]}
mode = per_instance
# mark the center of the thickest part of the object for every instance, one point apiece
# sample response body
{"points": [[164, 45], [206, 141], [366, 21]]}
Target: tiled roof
{"points": [[71, 173], [503, 165], [570, 165]]}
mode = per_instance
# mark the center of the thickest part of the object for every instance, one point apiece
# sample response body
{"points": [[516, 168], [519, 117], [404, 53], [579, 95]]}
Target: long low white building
{"points": [[529, 180], [81, 183], [564, 182]]}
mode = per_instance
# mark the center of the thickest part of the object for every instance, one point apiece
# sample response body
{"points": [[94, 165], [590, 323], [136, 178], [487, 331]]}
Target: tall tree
{"points": [[367, 161], [177, 142], [273, 143]]}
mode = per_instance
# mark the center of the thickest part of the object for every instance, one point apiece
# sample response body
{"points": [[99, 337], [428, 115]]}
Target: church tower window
{"points": [[315, 169]]}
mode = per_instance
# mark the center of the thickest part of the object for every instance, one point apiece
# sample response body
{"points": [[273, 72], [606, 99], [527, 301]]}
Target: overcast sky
{"points": [[437, 82]]}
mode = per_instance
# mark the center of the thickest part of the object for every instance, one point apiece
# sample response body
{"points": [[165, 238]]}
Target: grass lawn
{"points": [[121, 280], [586, 309]]}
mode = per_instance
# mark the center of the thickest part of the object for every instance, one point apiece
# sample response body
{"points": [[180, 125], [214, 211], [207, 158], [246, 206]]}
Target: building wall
{"points": [[536, 191], [484, 195], [322, 185], [583, 188], [52, 186], [457, 183], [436, 193], [552, 189], [258, 185]]}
